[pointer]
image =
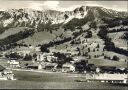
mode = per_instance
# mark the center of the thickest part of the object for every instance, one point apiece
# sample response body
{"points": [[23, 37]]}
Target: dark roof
{"points": [[108, 68], [1, 68]]}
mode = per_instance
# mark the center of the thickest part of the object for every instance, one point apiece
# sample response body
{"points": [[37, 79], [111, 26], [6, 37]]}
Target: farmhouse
{"points": [[67, 67]]}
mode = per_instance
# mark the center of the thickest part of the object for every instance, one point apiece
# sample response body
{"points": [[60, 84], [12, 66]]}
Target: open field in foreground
{"points": [[34, 80]]}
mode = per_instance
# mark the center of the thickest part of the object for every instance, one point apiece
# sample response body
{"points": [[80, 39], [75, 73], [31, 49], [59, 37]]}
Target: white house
{"points": [[67, 67]]}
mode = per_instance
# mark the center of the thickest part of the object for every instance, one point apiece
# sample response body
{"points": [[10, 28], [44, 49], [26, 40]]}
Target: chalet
{"points": [[67, 67], [6, 74]]}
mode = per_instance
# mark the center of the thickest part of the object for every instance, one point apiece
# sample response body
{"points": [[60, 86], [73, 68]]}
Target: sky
{"points": [[61, 4]]}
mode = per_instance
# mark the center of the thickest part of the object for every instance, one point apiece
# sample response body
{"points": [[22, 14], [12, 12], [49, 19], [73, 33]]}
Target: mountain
{"points": [[85, 31], [32, 18]]}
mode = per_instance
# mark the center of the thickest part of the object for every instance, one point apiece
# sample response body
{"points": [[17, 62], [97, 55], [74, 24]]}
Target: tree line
{"points": [[10, 41], [109, 45]]}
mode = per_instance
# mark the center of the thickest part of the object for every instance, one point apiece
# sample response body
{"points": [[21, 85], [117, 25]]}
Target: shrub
{"points": [[28, 57]]}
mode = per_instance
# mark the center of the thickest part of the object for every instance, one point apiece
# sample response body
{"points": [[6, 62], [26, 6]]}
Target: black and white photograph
{"points": [[57, 44]]}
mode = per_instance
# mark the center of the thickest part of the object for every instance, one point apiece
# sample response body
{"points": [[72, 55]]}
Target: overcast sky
{"points": [[61, 5]]}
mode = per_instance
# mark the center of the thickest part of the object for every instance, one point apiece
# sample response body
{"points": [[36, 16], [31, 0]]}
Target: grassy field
{"points": [[103, 62], [33, 80]]}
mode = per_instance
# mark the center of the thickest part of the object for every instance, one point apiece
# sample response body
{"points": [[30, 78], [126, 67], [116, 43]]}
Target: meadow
{"points": [[53, 80]]}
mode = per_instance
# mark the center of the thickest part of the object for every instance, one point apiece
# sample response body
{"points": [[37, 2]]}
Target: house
{"points": [[13, 64], [6, 74], [97, 70], [68, 67], [50, 58], [35, 65], [40, 66], [32, 66], [50, 66], [46, 57]]}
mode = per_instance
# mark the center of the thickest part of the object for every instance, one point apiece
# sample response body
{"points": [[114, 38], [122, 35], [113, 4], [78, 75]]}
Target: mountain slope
{"points": [[88, 31]]}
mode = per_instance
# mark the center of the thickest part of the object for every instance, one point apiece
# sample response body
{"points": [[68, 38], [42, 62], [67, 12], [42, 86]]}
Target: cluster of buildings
{"points": [[47, 61], [108, 78], [6, 74], [46, 57]]}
